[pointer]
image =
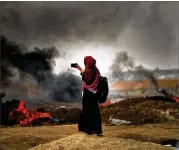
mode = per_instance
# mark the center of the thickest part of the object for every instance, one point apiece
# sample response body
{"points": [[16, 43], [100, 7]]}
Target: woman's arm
{"points": [[82, 72], [80, 69]]}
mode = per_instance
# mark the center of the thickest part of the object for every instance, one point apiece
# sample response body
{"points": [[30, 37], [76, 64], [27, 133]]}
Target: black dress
{"points": [[90, 117]]}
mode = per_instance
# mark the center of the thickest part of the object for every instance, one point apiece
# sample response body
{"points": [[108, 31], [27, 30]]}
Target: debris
{"points": [[60, 107], [170, 143], [118, 121], [55, 120]]}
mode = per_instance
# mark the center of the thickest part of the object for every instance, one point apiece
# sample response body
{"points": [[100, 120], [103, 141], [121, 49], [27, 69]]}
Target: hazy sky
{"points": [[146, 30]]}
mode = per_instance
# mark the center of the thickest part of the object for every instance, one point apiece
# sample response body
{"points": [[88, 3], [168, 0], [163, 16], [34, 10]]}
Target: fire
{"points": [[24, 117], [176, 99], [107, 103]]}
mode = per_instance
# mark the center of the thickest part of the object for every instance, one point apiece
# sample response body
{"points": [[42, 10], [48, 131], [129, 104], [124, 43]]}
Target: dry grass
{"points": [[85, 142], [22, 138]]}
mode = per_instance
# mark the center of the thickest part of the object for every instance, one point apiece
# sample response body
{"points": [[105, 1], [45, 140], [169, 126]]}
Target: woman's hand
{"points": [[75, 65], [80, 69]]}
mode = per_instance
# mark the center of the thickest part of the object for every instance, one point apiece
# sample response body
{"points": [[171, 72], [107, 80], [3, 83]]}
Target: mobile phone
{"points": [[74, 65]]}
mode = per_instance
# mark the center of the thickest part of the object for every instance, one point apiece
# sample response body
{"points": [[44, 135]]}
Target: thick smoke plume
{"points": [[34, 67], [34, 62], [123, 62], [66, 86]]}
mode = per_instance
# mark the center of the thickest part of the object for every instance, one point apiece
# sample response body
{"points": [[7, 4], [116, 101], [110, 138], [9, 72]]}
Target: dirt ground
{"points": [[22, 138], [142, 110]]}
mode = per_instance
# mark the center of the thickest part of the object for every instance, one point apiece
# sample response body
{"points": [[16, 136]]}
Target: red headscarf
{"points": [[91, 74]]}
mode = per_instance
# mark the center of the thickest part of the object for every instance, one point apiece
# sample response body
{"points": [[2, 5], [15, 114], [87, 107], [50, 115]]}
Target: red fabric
{"points": [[90, 69], [90, 62], [91, 74]]}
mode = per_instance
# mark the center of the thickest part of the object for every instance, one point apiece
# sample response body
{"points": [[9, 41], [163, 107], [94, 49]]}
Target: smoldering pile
{"points": [[21, 66], [16, 112]]}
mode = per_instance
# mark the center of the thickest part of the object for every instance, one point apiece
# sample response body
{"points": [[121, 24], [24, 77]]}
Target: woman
{"points": [[90, 118]]}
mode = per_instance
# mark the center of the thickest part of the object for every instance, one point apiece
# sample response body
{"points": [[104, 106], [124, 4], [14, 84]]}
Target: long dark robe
{"points": [[90, 118]]}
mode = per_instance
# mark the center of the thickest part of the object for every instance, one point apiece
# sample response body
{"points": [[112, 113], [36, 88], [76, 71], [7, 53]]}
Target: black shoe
{"points": [[99, 133]]}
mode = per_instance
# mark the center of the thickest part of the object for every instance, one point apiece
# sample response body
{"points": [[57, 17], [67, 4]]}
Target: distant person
{"points": [[90, 118]]}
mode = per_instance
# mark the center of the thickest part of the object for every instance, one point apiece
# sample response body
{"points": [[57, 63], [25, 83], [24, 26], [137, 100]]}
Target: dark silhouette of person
{"points": [[90, 118]]}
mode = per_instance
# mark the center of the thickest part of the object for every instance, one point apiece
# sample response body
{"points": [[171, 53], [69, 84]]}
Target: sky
{"points": [[148, 31]]}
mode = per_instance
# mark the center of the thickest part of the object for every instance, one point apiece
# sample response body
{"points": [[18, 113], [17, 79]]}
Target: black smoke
{"points": [[141, 72], [66, 87], [35, 62], [37, 65], [142, 28], [123, 63], [50, 21]]}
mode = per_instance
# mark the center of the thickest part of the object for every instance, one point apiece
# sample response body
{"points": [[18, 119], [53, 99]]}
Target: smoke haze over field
{"points": [[64, 32]]}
